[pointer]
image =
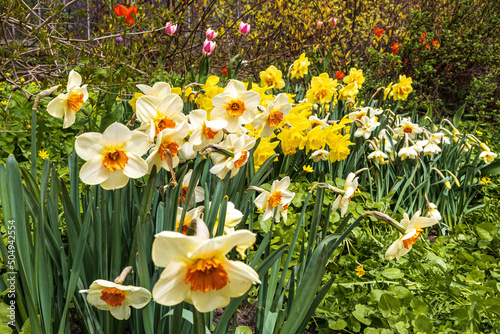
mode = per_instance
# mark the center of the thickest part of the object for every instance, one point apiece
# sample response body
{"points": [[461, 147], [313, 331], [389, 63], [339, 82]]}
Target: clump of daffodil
{"points": [[272, 78], [70, 103], [401, 90], [323, 89], [299, 67]]}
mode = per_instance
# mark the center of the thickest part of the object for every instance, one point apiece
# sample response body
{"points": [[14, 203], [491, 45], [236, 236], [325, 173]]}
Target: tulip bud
{"points": [[208, 47], [211, 34], [170, 28], [335, 21], [244, 28], [319, 24], [119, 40]]}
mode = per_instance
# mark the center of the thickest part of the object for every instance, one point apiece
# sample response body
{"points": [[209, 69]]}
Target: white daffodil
{"points": [[272, 116], [366, 111], [322, 123], [160, 90], [187, 150], [406, 126], [199, 192], [319, 155], [431, 148], [112, 157], [233, 218], [116, 298], [236, 105], [379, 157], [437, 137], [433, 212], [488, 156], [365, 127], [167, 146], [351, 184], [413, 230], [205, 130], [238, 147], [157, 115], [279, 195], [408, 152], [69, 104], [198, 272]]}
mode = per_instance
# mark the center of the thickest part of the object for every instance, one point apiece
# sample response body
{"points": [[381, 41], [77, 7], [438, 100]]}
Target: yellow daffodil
{"points": [[299, 67], [387, 90], [291, 139], [197, 271], [112, 157], [264, 151], [116, 298], [272, 78], [355, 76], [401, 90], [157, 115], [413, 230], [349, 92], [339, 146], [322, 89], [70, 103], [204, 100], [278, 196], [315, 139], [236, 105]]}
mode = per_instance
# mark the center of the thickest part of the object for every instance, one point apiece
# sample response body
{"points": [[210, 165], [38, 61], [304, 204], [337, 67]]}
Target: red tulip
{"points": [[121, 10]]}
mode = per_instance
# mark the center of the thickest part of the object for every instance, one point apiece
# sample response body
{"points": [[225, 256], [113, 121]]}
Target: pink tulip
{"points": [[244, 28], [170, 28], [211, 34], [319, 24], [335, 21], [208, 47]]}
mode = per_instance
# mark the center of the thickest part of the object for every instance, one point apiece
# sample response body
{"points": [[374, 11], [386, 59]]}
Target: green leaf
{"points": [[393, 273], [243, 330], [361, 313], [419, 307], [486, 231], [422, 324], [491, 169], [337, 325], [458, 116], [388, 304]]}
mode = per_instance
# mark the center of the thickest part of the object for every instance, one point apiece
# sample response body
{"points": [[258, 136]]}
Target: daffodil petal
{"points": [[136, 167], [242, 277], [171, 289], [93, 171], [116, 135], [138, 299], [169, 246], [220, 246], [89, 145], [56, 107], [210, 300], [120, 312], [115, 180]]}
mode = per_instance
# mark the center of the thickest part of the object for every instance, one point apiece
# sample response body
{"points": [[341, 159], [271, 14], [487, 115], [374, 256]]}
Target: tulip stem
{"points": [[199, 322]]}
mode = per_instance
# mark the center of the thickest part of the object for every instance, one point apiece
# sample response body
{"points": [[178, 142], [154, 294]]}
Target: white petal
{"points": [[220, 246], [56, 107], [171, 104], [171, 289], [169, 246], [136, 167], [235, 87], [121, 312], [69, 117], [89, 145], [147, 108], [138, 143], [74, 79], [425, 222], [393, 250], [162, 89], [116, 135], [241, 277], [261, 200], [115, 180], [210, 300], [93, 171], [138, 299]]}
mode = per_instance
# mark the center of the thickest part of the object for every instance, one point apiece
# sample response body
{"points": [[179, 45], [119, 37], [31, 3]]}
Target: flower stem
{"points": [[199, 322]]}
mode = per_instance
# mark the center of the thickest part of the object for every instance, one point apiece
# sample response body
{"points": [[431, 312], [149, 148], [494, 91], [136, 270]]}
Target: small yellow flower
{"points": [[360, 271], [479, 132], [7, 74], [308, 169], [22, 80], [485, 180], [43, 154], [4, 102]]}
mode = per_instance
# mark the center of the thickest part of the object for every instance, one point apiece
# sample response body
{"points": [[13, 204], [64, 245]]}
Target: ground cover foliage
{"points": [[340, 79]]}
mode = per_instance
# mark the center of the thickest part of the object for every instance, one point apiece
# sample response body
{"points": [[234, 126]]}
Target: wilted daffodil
{"points": [[198, 272], [112, 157], [413, 230], [351, 184], [116, 298], [236, 105], [69, 104], [278, 196]]}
